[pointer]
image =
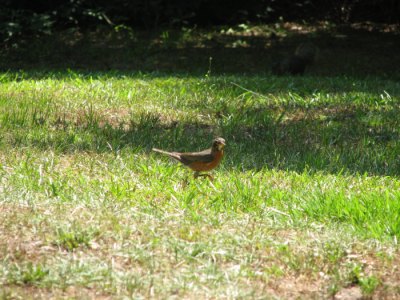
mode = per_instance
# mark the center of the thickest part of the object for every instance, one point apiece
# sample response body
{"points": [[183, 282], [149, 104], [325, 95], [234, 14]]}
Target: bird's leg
{"points": [[198, 174]]}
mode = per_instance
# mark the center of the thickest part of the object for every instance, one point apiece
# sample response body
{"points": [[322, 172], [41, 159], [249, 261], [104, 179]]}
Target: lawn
{"points": [[304, 205]]}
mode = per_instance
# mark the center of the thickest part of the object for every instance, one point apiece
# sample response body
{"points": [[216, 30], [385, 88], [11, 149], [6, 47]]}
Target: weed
{"points": [[73, 238], [27, 274]]}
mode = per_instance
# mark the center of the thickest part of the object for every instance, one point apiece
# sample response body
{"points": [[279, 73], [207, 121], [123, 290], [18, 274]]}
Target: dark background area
{"points": [[27, 17], [355, 38]]}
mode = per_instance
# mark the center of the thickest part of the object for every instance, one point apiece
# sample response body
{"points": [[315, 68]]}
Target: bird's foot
{"points": [[203, 175]]}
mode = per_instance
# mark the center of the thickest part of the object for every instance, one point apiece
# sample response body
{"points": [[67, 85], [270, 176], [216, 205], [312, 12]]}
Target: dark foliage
{"points": [[26, 17]]}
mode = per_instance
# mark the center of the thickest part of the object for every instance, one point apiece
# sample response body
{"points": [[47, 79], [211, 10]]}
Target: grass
{"points": [[305, 203]]}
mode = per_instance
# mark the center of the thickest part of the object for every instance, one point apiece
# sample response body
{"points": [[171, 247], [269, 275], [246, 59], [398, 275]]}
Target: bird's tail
{"points": [[170, 154], [162, 151]]}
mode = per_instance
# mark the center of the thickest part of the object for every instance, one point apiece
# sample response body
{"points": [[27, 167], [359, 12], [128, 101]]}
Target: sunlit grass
{"points": [[307, 192]]}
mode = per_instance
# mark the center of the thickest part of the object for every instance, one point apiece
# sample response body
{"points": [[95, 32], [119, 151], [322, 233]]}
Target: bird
{"points": [[202, 161]]}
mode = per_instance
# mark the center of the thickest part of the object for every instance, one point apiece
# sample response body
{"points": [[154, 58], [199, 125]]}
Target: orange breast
{"points": [[200, 166]]}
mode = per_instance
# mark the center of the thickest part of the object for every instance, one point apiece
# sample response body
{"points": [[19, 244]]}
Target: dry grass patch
{"points": [[32, 292], [136, 253]]}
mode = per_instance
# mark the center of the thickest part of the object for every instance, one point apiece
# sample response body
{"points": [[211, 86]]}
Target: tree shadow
{"points": [[352, 51], [336, 141]]}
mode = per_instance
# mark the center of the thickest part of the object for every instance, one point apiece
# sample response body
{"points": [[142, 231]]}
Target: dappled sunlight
{"points": [[239, 49], [333, 125]]}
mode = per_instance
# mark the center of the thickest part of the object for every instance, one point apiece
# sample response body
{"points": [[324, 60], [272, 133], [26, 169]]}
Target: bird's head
{"points": [[218, 144]]}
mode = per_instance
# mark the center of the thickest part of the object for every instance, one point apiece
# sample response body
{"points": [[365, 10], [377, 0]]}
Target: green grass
{"points": [[305, 203]]}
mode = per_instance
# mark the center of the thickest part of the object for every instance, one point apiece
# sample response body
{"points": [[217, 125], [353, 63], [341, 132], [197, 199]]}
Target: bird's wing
{"points": [[203, 156]]}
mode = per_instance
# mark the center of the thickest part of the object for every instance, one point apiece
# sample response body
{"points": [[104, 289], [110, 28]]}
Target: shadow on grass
{"points": [[350, 51], [340, 141]]}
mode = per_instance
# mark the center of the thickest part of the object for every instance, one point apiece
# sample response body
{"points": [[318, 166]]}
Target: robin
{"points": [[202, 161]]}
